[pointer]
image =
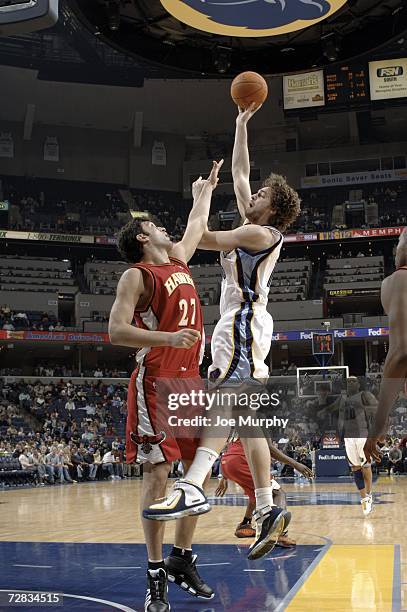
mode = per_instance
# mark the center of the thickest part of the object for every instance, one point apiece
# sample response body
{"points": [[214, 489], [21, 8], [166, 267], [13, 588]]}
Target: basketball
{"points": [[248, 88]]}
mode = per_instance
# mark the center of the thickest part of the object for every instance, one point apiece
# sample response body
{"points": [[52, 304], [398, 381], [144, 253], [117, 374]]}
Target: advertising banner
{"points": [[304, 90], [353, 178], [388, 79]]}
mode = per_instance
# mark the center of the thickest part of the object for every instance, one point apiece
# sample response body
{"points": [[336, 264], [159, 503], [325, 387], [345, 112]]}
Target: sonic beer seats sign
{"points": [[251, 18]]}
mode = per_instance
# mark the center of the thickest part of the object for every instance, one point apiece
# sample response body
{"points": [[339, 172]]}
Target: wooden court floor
{"points": [[362, 566]]}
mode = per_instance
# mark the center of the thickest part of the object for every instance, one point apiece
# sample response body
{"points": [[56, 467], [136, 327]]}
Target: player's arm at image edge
{"points": [[395, 366], [121, 331], [251, 237]]}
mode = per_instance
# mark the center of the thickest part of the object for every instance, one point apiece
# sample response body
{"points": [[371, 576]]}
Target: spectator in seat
{"points": [[45, 472], [27, 463], [90, 460], [70, 405], [64, 463], [395, 465], [109, 465], [54, 459], [78, 460]]}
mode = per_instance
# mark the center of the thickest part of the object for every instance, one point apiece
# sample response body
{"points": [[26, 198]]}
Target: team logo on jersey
{"points": [[146, 443], [251, 17]]}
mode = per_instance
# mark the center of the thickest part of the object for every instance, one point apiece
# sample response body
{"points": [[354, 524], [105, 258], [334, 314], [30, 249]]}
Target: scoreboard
{"points": [[323, 343], [343, 87], [346, 85]]}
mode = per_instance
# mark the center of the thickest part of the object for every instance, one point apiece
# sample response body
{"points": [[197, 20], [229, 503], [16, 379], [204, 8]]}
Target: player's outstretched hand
{"points": [[304, 470], [244, 115], [185, 338], [212, 180], [372, 451], [222, 487], [213, 177]]}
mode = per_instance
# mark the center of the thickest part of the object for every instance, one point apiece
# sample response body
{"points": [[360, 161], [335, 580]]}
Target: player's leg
{"points": [[357, 474], [188, 497], [236, 469], [244, 529], [280, 500], [365, 499], [153, 487], [181, 562], [368, 478], [271, 520]]}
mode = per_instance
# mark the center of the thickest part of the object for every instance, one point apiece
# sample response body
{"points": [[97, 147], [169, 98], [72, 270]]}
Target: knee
{"points": [[359, 480], [155, 479]]}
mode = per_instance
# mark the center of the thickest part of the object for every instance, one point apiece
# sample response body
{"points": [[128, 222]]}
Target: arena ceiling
{"points": [[212, 37]]}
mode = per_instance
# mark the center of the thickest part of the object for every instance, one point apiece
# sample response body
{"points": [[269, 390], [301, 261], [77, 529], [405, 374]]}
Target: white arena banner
{"points": [[353, 178], [46, 237], [388, 79], [304, 90]]}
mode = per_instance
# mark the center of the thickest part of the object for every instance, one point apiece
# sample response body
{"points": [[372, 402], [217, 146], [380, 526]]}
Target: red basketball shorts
{"points": [[153, 432], [236, 468]]}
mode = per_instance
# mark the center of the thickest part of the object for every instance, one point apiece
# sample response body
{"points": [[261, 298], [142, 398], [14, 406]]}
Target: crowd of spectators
{"points": [[63, 206], [20, 320], [64, 432], [99, 209]]}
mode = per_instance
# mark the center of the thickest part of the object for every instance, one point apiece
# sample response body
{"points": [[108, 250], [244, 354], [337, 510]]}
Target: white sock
{"points": [[264, 497], [201, 465]]}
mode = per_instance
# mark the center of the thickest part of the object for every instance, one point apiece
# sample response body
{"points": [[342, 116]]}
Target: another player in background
{"points": [[357, 410], [394, 302], [242, 337], [159, 294], [234, 467]]}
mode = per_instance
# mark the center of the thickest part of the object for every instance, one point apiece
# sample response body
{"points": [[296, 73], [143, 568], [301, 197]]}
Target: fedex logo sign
{"points": [[378, 331]]}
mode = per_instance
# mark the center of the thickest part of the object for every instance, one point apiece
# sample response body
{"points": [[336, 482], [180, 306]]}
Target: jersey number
{"points": [[186, 318]]}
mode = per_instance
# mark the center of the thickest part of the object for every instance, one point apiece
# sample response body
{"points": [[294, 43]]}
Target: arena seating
{"points": [[365, 272], [91, 208], [40, 274], [64, 206], [102, 276], [11, 473]]}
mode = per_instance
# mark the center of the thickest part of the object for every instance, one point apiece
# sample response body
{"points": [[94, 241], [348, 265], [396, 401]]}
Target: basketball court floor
{"points": [[85, 541]]}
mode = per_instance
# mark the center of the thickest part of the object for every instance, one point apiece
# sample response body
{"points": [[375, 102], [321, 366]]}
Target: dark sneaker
{"points": [[157, 591], [186, 576], [186, 499], [271, 521]]}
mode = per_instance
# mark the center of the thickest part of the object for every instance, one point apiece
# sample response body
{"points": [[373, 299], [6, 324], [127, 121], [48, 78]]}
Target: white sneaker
{"points": [[185, 499], [367, 504]]}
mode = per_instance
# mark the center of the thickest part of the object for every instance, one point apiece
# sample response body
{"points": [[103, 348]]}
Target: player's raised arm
{"points": [[395, 366], [129, 291], [241, 160], [198, 217], [251, 237]]}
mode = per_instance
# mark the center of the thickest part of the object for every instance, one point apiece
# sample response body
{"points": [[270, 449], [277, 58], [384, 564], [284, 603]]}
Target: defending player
{"points": [[234, 467], [158, 292], [356, 411], [394, 302], [242, 337]]}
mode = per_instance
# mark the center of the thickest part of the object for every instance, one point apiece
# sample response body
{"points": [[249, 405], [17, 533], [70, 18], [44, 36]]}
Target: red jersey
{"points": [[174, 305]]}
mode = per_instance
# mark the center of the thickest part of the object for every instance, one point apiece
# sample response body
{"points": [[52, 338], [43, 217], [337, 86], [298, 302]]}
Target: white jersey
{"points": [[247, 276], [242, 337]]}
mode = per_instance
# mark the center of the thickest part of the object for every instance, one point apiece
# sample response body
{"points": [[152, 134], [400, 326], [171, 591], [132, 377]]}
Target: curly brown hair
{"points": [[128, 246], [285, 201]]}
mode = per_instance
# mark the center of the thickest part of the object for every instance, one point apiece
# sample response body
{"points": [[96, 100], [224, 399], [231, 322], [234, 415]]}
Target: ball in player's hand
{"points": [[248, 88]]}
